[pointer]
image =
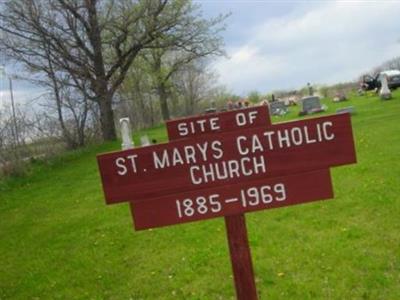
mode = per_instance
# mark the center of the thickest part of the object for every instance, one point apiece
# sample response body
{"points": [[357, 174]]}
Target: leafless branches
{"points": [[96, 42]]}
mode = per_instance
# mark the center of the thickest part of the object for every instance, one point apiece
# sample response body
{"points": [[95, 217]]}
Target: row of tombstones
{"points": [[312, 104], [309, 105]]}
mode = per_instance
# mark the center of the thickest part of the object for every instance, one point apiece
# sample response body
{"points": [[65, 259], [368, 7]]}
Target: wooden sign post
{"points": [[239, 250], [227, 164], [236, 230]]}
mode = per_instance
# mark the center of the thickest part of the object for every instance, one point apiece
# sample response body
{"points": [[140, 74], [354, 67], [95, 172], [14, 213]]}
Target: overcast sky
{"points": [[276, 45], [285, 44]]}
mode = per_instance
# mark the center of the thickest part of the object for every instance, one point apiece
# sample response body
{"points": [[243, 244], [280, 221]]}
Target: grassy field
{"points": [[58, 240]]}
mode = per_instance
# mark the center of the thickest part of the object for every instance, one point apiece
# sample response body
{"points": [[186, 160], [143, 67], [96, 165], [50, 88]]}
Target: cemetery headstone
{"points": [[144, 141], [310, 105], [230, 105], [310, 89], [385, 92], [350, 109], [339, 97], [278, 108], [126, 133], [210, 110]]}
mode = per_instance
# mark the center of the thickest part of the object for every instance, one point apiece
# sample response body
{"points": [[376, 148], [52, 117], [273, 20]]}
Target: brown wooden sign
{"points": [[227, 164], [224, 201], [239, 198], [228, 158]]}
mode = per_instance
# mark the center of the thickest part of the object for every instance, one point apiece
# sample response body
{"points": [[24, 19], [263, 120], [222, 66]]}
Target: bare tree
{"points": [[393, 63], [204, 41], [137, 96], [95, 41], [13, 147], [72, 110], [195, 83]]}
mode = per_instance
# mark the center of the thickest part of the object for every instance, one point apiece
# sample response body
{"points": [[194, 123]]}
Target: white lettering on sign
{"points": [[188, 155], [242, 119], [227, 169], [200, 205], [121, 163], [285, 138], [328, 136], [252, 196], [197, 154], [269, 135], [263, 195], [198, 126]]}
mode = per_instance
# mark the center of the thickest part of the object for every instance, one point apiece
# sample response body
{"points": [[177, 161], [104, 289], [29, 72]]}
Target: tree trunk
{"points": [[151, 113], [107, 118], [163, 101], [101, 85], [81, 124]]}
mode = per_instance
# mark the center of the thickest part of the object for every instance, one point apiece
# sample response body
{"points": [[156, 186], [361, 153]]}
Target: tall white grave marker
{"points": [[126, 134], [385, 93]]}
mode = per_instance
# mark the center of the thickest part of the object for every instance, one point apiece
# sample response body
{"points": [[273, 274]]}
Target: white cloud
{"points": [[324, 43]]}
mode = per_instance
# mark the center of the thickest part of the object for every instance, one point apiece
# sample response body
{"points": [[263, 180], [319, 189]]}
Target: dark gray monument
{"points": [[310, 89], [277, 108], [310, 105], [350, 109], [210, 110]]}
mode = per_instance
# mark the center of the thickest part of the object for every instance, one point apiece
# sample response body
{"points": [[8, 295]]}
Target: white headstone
{"points": [[126, 134], [144, 141], [385, 92]]}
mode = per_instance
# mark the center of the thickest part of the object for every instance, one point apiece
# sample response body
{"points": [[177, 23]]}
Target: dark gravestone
{"points": [[310, 105], [310, 89], [210, 110], [277, 108], [350, 109]]}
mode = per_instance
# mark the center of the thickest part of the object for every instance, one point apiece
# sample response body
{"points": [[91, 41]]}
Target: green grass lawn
{"points": [[58, 239]]}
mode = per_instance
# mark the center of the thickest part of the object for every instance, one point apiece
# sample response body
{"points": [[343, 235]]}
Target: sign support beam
{"points": [[242, 265]]}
